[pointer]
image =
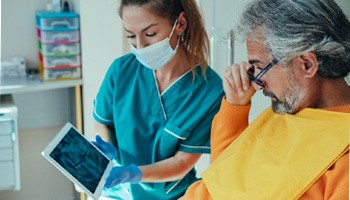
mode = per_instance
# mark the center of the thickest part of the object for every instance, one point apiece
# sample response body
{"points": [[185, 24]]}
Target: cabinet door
{"points": [[6, 141], [7, 145], [6, 154], [6, 130], [6, 126], [7, 175]]}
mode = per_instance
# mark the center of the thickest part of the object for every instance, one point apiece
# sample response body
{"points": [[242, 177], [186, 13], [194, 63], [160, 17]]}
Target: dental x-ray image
{"points": [[79, 160]]}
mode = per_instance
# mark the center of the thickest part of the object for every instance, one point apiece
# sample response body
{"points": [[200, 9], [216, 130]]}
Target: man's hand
{"points": [[237, 86]]}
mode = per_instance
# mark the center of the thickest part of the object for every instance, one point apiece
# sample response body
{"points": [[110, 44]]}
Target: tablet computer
{"points": [[78, 159]]}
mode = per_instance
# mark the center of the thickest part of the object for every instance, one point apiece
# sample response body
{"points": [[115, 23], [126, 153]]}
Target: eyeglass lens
{"points": [[256, 79]]}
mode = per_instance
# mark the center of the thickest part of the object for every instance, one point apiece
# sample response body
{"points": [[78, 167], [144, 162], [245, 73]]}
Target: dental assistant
{"points": [[156, 104]]}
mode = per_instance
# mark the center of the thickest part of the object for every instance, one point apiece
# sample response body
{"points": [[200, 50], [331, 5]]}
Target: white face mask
{"points": [[157, 55]]}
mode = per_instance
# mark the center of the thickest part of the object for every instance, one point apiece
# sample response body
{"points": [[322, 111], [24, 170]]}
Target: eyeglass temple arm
{"points": [[272, 63]]}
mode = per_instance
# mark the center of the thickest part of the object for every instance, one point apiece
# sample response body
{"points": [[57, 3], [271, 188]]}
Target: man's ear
{"points": [[309, 64]]}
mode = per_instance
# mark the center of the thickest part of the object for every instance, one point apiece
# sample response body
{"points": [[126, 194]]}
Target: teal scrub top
{"points": [[150, 127]]}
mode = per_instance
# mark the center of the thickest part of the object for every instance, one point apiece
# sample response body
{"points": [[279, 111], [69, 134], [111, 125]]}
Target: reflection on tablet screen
{"points": [[84, 162]]}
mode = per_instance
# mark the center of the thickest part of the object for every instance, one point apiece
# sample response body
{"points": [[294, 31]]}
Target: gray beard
{"points": [[281, 107], [293, 95], [291, 105]]}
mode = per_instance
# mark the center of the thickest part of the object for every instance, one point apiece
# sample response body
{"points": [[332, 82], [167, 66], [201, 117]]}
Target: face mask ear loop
{"points": [[178, 40], [172, 31]]}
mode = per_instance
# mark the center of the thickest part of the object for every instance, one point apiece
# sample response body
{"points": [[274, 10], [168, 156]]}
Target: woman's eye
{"points": [[150, 34], [130, 36]]}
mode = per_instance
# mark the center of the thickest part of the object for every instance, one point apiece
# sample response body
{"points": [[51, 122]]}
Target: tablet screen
{"points": [[77, 157]]}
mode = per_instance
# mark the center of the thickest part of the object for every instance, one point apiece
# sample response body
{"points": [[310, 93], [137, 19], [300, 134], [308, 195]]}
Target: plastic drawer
{"points": [[59, 49], [61, 37], [54, 74], [59, 62], [57, 21]]}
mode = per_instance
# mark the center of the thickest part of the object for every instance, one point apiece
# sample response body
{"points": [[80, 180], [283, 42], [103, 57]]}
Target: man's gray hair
{"points": [[294, 27]]}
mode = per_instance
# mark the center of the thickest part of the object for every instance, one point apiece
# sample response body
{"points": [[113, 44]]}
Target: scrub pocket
{"points": [[169, 139]]}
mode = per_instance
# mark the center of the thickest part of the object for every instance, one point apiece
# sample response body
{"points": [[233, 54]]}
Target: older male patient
{"points": [[299, 54]]}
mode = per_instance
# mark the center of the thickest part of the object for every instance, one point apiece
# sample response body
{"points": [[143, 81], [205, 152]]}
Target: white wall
{"points": [[18, 31], [102, 41], [345, 5]]}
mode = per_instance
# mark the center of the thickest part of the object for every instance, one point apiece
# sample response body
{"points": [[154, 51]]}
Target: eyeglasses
{"points": [[256, 79]]}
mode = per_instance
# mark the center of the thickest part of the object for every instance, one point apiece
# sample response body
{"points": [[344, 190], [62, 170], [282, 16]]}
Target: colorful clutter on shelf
{"points": [[58, 45]]}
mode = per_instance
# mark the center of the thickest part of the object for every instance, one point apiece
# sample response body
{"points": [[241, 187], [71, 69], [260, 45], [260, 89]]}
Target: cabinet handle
{"points": [[230, 47], [60, 23], [212, 47], [229, 40], [13, 136]]}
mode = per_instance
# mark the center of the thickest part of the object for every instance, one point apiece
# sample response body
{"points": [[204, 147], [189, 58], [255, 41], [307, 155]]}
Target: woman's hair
{"points": [[196, 40], [294, 27]]}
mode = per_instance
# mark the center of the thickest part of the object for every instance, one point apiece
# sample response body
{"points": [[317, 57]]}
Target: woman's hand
{"points": [[123, 174], [107, 148]]}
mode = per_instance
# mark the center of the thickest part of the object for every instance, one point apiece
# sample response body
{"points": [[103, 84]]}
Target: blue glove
{"points": [[123, 174], [107, 148]]}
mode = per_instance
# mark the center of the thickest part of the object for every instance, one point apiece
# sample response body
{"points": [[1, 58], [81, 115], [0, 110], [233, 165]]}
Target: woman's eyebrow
{"points": [[144, 29], [151, 25]]}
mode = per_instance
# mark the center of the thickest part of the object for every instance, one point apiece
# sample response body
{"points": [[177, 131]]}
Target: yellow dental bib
{"points": [[279, 156]]}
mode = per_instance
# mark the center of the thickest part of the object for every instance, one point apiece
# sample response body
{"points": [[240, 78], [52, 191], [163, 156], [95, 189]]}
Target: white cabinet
{"points": [[9, 154]]}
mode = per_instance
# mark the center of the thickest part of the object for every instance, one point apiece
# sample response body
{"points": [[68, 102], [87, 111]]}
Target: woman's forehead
{"points": [[136, 17]]}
